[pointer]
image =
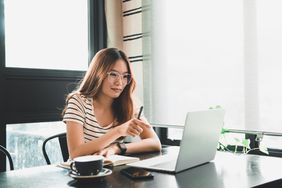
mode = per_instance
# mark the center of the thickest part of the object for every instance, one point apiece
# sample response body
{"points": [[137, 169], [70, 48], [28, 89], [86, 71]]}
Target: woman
{"points": [[101, 112]]}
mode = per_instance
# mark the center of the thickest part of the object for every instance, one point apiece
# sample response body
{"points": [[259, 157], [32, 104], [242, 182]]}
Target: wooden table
{"points": [[227, 170]]}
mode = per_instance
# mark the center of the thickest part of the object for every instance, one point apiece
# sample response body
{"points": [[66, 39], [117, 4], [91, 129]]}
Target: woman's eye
{"points": [[113, 74]]}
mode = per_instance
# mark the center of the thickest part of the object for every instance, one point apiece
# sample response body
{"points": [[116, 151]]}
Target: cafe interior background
{"points": [[186, 54]]}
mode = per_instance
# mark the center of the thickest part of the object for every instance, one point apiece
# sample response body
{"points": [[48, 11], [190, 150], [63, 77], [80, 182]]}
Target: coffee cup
{"points": [[87, 165]]}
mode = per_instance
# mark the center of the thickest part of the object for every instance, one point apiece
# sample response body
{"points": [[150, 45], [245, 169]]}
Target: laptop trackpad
{"points": [[166, 165]]}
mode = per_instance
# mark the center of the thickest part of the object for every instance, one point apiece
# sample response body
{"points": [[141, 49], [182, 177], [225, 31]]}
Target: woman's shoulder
{"points": [[81, 98], [74, 96]]}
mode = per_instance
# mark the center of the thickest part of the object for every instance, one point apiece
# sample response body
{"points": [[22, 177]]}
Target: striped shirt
{"points": [[80, 109]]}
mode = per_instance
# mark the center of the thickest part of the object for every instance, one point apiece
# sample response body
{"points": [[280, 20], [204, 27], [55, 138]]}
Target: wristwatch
{"points": [[122, 148]]}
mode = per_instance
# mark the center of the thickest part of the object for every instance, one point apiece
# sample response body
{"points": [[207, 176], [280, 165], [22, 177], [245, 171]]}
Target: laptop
{"points": [[198, 145]]}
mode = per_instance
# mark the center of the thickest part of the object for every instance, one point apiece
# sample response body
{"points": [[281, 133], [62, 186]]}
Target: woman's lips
{"points": [[116, 90]]}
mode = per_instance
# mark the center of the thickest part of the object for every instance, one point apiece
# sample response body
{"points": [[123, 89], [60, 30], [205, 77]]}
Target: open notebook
{"points": [[114, 160]]}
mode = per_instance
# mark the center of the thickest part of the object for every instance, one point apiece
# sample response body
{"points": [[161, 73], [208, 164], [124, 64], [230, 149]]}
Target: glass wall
{"points": [[24, 142]]}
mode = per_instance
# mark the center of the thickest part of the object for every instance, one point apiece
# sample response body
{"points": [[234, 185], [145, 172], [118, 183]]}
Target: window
{"points": [[217, 53], [269, 36], [200, 58], [40, 35], [33, 68], [24, 141], [46, 34]]}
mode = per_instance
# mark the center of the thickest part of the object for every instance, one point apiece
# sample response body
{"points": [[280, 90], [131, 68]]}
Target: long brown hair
{"points": [[91, 84]]}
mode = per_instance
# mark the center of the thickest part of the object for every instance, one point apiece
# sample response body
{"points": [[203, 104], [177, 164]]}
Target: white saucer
{"points": [[104, 172]]}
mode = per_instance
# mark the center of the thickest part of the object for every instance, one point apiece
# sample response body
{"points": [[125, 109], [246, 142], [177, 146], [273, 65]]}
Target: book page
{"points": [[120, 159]]}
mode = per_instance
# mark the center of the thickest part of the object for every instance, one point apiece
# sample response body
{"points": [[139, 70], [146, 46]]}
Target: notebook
{"points": [[117, 160], [198, 145], [113, 160]]}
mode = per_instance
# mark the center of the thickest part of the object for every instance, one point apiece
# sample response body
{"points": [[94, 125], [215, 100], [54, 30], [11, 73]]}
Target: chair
{"points": [[62, 138], [6, 152]]}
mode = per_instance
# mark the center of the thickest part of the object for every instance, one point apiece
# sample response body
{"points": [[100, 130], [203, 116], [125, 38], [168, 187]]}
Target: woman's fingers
{"points": [[102, 152], [134, 127], [130, 130], [141, 123], [131, 133], [134, 130], [109, 152], [137, 128]]}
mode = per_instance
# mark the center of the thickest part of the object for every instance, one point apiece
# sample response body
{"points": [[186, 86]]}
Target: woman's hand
{"points": [[111, 150], [133, 127]]}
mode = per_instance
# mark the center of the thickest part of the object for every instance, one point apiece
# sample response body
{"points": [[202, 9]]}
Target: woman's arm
{"points": [[133, 127], [149, 140], [77, 146]]}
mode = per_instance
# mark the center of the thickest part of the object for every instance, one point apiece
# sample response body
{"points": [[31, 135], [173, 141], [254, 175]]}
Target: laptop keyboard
{"points": [[166, 165], [163, 159]]}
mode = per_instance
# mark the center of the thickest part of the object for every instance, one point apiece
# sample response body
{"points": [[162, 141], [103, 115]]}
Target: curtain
{"points": [[124, 24], [202, 54]]}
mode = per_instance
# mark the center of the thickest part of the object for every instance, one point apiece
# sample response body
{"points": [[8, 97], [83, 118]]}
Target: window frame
{"points": [[11, 78]]}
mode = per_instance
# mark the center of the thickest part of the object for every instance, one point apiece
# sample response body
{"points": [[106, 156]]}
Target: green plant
{"points": [[225, 144], [233, 143]]}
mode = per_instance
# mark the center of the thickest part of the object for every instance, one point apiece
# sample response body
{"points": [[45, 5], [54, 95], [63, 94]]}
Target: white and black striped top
{"points": [[80, 109]]}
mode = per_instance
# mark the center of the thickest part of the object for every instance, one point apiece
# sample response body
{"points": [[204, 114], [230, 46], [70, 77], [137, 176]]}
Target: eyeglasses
{"points": [[114, 76]]}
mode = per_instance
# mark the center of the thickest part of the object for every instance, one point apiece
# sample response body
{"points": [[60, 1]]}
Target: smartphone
{"points": [[137, 173]]}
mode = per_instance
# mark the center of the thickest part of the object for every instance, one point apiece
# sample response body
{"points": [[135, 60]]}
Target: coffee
{"points": [[87, 165]]}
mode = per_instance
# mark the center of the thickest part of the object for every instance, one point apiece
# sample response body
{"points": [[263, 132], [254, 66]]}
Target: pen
{"points": [[140, 112]]}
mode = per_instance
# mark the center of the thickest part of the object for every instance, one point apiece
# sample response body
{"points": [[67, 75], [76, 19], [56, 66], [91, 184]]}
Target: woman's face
{"points": [[116, 80]]}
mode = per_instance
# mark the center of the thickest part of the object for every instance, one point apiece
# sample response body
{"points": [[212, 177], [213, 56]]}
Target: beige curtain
{"points": [[113, 9], [124, 25]]}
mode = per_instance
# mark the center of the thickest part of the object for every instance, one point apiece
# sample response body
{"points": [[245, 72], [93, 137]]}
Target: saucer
{"points": [[104, 172]]}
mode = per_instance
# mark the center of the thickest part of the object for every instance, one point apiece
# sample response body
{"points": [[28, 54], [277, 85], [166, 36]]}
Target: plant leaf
{"points": [[246, 143], [217, 106], [224, 130]]}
